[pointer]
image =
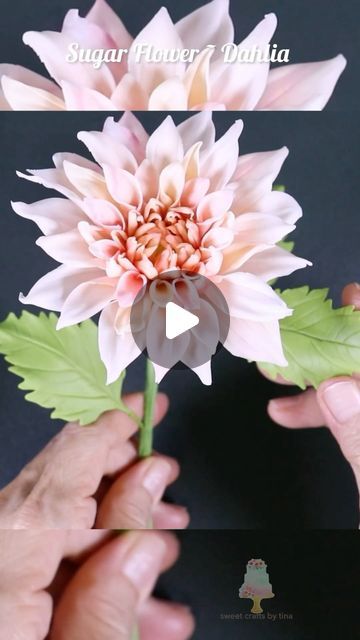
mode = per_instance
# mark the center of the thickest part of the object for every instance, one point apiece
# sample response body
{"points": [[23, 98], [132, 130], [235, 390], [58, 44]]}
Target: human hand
{"points": [[335, 404], [62, 585], [90, 476]]}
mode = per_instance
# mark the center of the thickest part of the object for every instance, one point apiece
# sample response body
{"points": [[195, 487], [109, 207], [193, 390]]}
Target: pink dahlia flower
{"points": [[207, 82], [147, 205]]}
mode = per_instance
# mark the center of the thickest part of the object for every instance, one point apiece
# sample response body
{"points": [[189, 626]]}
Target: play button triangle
{"points": [[178, 320]]}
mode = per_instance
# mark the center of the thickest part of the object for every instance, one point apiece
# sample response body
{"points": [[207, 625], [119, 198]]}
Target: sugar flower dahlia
{"points": [[207, 82], [148, 205]]}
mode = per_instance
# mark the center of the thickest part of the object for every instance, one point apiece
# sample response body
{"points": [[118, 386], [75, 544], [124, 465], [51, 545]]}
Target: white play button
{"points": [[178, 320]]}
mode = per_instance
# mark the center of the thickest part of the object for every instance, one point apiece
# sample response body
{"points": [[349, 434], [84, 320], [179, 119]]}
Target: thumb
{"points": [[103, 598], [339, 400]]}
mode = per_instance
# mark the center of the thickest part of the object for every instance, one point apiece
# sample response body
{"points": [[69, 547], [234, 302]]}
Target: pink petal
{"points": [[274, 263], [219, 162], [256, 341], [251, 299], [254, 177], [210, 24], [53, 179], [147, 177], [160, 372], [79, 98], [194, 191], [171, 184], [240, 85], [68, 247], [86, 300], [16, 72], [106, 150], [63, 156], [161, 33], [170, 95], [196, 79], [281, 205], [88, 182], [165, 145], [102, 212], [306, 86], [129, 285], [129, 94], [51, 291], [102, 14], [235, 256], [52, 215], [22, 97], [52, 49], [198, 128], [123, 186], [204, 373], [263, 228], [117, 350], [214, 205], [129, 132]]}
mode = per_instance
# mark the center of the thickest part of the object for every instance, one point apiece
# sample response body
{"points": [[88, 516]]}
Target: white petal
{"points": [[22, 97], [16, 72], [274, 263], [68, 247], [204, 373], [79, 98], [251, 299], [198, 128], [86, 300], [161, 33], [219, 162], [52, 215], [254, 177], [51, 291], [165, 145], [117, 351], [106, 150], [263, 228], [210, 24], [257, 341], [169, 96]]}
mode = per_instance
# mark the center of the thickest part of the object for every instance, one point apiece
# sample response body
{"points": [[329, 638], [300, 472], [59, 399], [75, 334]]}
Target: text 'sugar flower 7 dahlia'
{"points": [[138, 80], [148, 206]]}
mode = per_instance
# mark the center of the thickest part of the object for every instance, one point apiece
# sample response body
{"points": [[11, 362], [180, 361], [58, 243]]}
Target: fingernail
{"points": [[156, 478], [357, 285], [343, 400], [143, 561]]}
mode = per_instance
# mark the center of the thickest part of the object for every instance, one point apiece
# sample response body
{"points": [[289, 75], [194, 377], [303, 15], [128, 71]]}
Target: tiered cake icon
{"points": [[256, 584]]}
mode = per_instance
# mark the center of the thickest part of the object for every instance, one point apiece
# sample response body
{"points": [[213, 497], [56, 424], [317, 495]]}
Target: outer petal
{"points": [[79, 98], [169, 96], [240, 85], [261, 228], [130, 94], [258, 341], [68, 247], [204, 373], [129, 132], [283, 205], [251, 299], [51, 291], [219, 162], [52, 49], [106, 150], [53, 179], [161, 33], [86, 300], [306, 86], [117, 350], [274, 263], [52, 215], [103, 15], [31, 79], [165, 145], [254, 177], [22, 97], [210, 24], [196, 128]]}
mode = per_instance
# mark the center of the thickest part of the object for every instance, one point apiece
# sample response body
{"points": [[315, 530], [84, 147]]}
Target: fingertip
{"points": [[351, 295]]}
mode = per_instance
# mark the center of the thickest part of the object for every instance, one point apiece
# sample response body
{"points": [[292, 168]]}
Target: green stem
{"points": [[146, 426]]}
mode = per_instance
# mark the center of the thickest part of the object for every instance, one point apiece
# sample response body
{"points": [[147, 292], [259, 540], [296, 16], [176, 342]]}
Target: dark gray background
{"points": [[221, 434], [312, 30], [314, 575]]}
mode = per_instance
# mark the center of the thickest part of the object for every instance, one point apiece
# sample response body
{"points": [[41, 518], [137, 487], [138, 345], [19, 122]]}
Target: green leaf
{"points": [[61, 369], [279, 187], [288, 245], [319, 342]]}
